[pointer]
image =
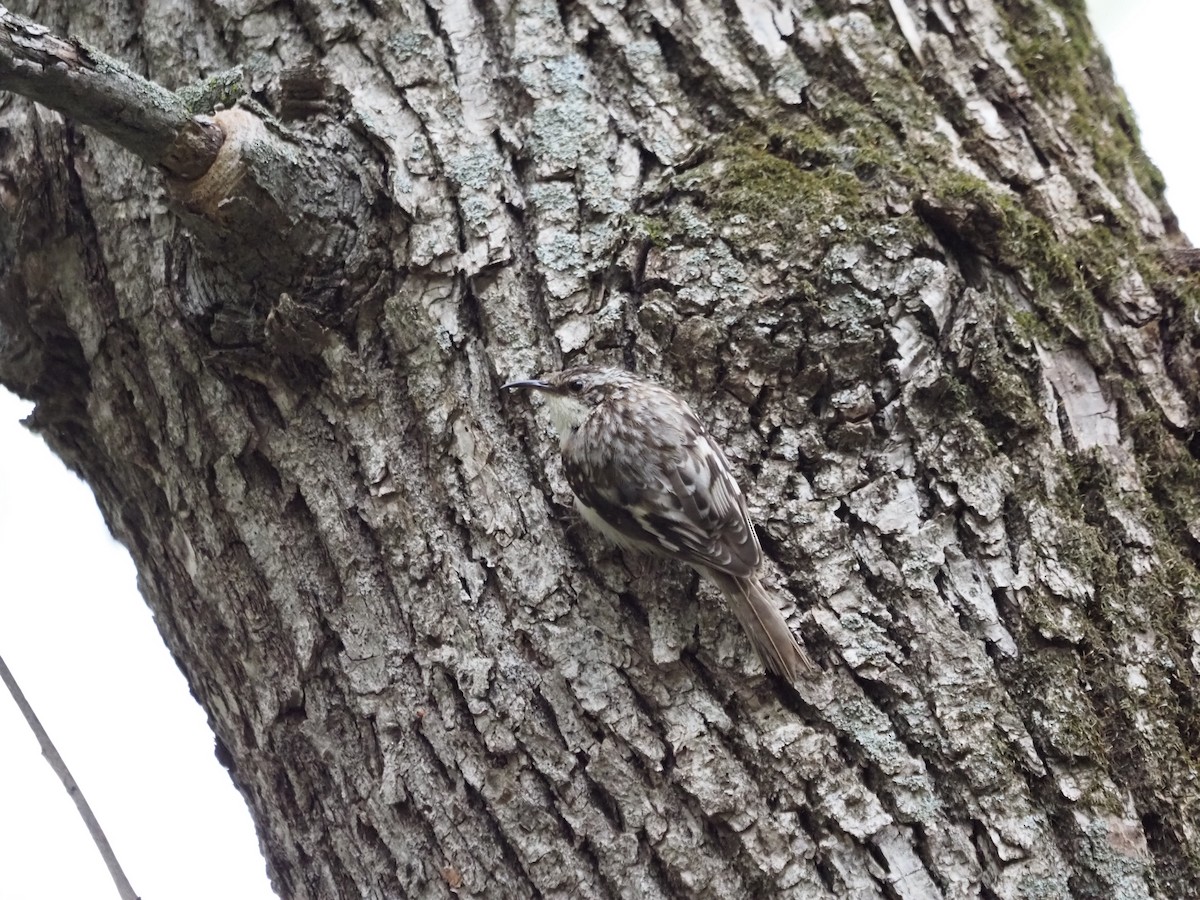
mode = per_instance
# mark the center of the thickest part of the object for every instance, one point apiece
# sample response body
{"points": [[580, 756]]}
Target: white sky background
{"points": [[82, 644], [1152, 45]]}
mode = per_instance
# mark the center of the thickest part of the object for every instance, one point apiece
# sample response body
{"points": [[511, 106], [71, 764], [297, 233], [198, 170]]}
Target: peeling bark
{"points": [[935, 312]]}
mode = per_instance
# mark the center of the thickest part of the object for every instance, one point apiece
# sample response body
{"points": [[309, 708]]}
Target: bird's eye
{"points": [[575, 385]]}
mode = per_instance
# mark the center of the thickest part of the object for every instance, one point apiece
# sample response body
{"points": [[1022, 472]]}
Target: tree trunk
{"points": [[922, 305]]}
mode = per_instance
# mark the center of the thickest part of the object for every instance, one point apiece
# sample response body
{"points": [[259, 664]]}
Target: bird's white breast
{"points": [[566, 413]]}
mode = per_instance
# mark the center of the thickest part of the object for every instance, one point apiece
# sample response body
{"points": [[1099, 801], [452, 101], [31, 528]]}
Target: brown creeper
{"points": [[646, 473]]}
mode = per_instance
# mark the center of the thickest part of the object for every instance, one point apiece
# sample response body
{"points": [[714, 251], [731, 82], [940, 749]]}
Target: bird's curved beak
{"points": [[534, 384]]}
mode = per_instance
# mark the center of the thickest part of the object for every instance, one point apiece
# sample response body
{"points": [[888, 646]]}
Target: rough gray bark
{"points": [[922, 306]]}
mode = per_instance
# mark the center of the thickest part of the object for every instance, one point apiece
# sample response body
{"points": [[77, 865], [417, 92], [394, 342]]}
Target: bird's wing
{"points": [[667, 489]]}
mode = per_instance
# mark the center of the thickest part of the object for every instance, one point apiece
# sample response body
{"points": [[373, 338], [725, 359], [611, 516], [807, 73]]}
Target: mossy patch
{"points": [[1169, 471], [1058, 696], [776, 178], [1061, 275], [1058, 53]]}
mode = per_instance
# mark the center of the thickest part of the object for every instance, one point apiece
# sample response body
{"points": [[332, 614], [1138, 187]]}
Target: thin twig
{"points": [[60, 768], [69, 76]]}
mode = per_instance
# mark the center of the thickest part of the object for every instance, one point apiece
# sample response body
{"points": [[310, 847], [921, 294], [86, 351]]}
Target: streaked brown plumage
{"points": [[646, 473]]}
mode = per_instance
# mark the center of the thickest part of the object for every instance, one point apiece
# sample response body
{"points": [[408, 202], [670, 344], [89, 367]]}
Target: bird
{"points": [[647, 474]]}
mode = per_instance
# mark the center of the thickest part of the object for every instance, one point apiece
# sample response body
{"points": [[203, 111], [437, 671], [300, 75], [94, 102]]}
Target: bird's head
{"points": [[572, 394]]}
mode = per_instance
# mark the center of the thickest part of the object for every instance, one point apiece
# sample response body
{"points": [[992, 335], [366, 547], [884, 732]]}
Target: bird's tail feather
{"points": [[764, 624]]}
